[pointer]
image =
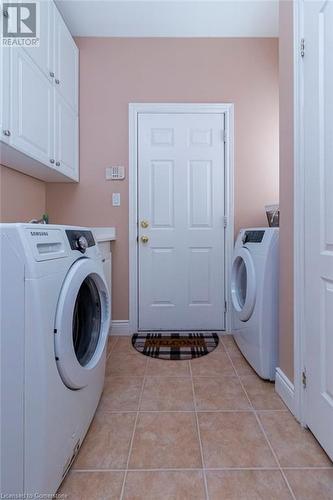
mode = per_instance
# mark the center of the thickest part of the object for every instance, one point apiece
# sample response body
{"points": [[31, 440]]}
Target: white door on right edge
{"points": [[318, 167]]}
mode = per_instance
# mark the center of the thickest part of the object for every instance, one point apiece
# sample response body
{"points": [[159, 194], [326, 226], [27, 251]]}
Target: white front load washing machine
{"points": [[254, 297], [55, 316]]}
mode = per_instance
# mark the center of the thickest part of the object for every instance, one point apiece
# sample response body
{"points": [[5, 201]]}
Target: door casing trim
{"points": [[134, 109], [299, 218]]}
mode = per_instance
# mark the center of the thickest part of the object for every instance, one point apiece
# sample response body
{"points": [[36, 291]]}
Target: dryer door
{"points": [[243, 284], [82, 323]]}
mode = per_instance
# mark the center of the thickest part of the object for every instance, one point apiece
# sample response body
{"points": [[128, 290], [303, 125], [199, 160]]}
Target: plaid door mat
{"points": [[175, 345]]}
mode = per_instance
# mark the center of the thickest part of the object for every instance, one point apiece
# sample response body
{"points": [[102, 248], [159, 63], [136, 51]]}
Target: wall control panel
{"points": [[115, 173]]}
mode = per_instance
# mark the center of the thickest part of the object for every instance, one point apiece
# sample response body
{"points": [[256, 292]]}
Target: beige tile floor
{"points": [[204, 429]]}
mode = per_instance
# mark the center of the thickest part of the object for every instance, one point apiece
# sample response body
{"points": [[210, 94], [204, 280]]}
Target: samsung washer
{"points": [[55, 316]]}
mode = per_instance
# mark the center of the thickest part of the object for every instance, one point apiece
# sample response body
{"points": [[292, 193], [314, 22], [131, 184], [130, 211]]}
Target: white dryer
{"points": [[55, 316], [254, 297]]}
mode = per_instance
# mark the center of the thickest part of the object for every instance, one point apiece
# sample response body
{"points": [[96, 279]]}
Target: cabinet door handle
{"points": [[6, 133], [58, 163], [51, 160], [57, 81], [5, 13]]}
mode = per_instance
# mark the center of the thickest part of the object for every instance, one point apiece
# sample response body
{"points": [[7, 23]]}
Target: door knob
{"points": [[144, 224], [144, 239]]}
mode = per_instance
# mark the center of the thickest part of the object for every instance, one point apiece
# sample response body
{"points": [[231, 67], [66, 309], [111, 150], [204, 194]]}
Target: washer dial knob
{"points": [[82, 243]]}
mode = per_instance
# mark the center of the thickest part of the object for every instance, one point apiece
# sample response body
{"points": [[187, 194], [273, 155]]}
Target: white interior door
{"points": [[181, 203], [318, 167]]}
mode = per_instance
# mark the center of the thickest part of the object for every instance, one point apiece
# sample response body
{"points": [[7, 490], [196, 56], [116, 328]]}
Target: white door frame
{"points": [[134, 109], [299, 216]]}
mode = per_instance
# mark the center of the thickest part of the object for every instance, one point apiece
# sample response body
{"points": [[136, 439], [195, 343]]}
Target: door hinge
{"points": [[304, 379], [224, 135], [225, 221], [302, 47], [225, 306]]}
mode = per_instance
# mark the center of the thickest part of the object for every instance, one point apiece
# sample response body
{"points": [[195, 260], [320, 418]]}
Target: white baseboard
{"points": [[119, 327], [285, 389]]}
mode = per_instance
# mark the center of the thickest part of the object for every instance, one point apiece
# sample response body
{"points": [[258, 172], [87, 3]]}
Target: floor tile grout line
{"points": [[275, 455], [199, 435], [181, 469], [112, 346], [133, 433], [198, 469], [308, 467], [263, 430], [248, 410]]}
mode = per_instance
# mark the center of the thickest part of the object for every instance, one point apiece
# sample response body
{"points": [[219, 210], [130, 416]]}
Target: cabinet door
{"points": [[4, 94], [66, 56], [43, 55], [31, 109], [67, 138]]}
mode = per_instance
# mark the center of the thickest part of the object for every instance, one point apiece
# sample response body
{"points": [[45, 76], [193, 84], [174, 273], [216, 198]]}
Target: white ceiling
{"points": [[156, 18]]}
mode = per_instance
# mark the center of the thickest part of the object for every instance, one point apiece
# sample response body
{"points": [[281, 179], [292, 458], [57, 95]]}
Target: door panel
{"points": [[327, 300], [200, 195], [200, 263], [163, 271], [162, 193], [318, 159], [181, 196]]}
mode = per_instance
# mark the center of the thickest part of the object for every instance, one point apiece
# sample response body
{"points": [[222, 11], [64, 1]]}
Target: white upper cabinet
{"points": [[39, 102], [66, 56]]}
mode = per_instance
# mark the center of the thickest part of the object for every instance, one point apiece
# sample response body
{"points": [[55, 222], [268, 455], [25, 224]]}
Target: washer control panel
{"points": [[80, 240], [253, 236]]}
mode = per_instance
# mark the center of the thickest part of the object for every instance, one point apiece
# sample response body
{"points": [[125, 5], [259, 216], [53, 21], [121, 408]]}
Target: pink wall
{"points": [[117, 71], [286, 337], [22, 198]]}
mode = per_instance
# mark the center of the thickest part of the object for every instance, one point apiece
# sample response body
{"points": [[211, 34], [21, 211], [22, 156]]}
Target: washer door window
{"points": [[87, 318], [243, 284], [82, 323]]}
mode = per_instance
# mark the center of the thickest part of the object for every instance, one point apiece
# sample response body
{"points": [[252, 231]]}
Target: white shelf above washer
{"points": [[104, 234]]}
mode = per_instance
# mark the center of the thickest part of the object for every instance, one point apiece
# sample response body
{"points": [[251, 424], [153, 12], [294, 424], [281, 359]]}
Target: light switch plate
{"points": [[116, 199]]}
